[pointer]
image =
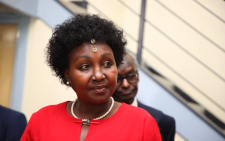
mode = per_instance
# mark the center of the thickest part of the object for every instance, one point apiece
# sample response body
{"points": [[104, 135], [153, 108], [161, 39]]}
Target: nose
{"points": [[98, 75], [125, 83]]}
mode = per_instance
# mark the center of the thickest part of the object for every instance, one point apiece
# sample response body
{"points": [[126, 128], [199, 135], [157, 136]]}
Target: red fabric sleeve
{"points": [[151, 130], [26, 133]]}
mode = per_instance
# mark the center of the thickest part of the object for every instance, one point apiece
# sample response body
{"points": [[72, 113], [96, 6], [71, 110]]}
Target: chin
{"points": [[101, 99], [129, 102]]}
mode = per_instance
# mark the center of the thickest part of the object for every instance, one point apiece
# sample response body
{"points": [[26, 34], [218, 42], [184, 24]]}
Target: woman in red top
{"points": [[84, 52]]}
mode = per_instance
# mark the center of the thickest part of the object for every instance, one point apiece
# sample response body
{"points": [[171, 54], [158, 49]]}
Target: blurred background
{"points": [[179, 45]]}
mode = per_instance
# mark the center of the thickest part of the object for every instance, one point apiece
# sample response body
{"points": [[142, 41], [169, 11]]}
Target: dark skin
{"points": [[93, 77], [126, 91]]}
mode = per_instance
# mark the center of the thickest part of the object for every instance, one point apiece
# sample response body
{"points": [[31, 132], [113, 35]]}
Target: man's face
{"points": [[127, 82]]}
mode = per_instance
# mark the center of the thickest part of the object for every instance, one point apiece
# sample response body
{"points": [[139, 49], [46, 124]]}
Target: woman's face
{"points": [[93, 76]]}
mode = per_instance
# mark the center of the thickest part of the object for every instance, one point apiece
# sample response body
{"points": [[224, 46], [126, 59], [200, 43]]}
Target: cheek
{"points": [[79, 81], [112, 76], [135, 87]]}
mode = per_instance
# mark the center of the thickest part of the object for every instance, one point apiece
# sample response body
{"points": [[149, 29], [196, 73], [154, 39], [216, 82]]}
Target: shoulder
{"points": [[149, 109], [143, 123], [9, 112], [51, 108], [136, 111], [12, 122], [44, 120], [10, 115], [159, 116], [137, 116], [167, 121], [44, 117], [154, 112]]}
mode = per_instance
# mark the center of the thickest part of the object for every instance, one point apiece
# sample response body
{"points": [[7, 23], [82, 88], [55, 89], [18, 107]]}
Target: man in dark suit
{"points": [[126, 90], [12, 124]]}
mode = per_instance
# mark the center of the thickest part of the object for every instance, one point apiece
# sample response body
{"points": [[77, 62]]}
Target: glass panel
{"points": [[189, 52]]}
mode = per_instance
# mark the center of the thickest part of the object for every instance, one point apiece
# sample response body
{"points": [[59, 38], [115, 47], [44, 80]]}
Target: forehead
{"points": [[86, 49], [128, 66]]}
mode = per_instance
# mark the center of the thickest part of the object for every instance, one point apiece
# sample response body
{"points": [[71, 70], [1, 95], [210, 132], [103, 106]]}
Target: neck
{"points": [[86, 110]]}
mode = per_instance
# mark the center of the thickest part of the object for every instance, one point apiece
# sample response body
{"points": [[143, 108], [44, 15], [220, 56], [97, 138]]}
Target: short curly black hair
{"points": [[81, 29]]}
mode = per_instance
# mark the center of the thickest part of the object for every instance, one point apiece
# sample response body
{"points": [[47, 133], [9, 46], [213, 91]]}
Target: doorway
{"points": [[7, 52]]}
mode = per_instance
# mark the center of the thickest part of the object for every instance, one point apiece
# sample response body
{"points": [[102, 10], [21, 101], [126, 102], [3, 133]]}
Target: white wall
{"points": [[41, 88], [121, 16]]}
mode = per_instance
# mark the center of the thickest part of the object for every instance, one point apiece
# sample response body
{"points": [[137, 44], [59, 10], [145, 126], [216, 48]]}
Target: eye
{"points": [[107, 64], [84, 67], [132, 77], [120, 78]]}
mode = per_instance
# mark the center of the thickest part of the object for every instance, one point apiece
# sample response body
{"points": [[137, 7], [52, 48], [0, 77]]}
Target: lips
{"points": [[126, 96], [126, 93], [99, 89]]}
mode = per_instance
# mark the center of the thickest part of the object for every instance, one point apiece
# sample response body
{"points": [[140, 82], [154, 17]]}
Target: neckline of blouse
{"points": [[62, 111]]}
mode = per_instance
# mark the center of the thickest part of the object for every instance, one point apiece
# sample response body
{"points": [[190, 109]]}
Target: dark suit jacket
{"points": [[12, 124], [166, 123]]}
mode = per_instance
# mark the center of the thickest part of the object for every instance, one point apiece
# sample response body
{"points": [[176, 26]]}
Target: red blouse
{"points": [[129, 123]]}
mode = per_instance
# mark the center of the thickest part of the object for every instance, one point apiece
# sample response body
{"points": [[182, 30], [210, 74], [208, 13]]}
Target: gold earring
{"points": [[93, 43]]}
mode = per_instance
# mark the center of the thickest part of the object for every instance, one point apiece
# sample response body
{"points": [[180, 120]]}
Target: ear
{"points": [[66, 73]]}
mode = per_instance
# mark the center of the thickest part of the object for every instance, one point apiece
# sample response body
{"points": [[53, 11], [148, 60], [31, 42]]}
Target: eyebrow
{"points": [[84, 56], [104, 54]]}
